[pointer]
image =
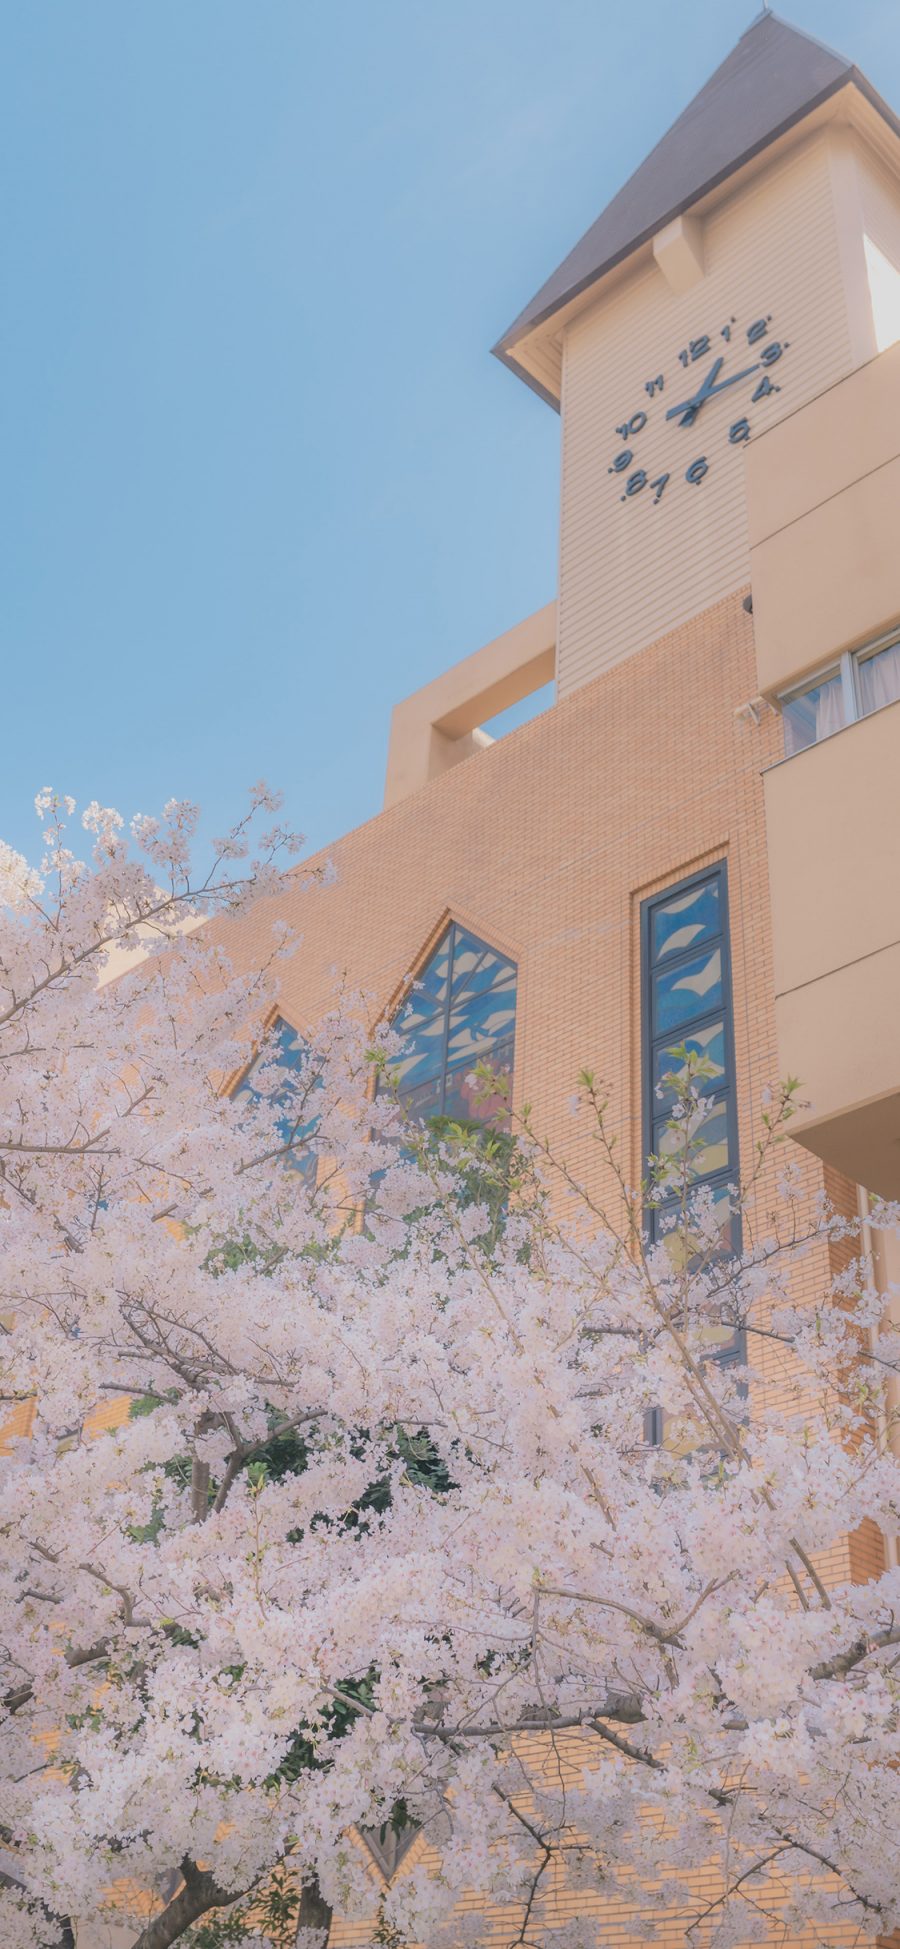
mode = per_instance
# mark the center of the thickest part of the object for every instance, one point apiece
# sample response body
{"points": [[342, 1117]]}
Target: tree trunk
{"points": [[314, 1913], [199, 1894], [199, 1490]]}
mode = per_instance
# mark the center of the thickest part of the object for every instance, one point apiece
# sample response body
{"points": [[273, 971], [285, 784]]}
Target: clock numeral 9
{"points": [[632, 426], [758, 329], [697, 469], [622, 461], [738, 432]]}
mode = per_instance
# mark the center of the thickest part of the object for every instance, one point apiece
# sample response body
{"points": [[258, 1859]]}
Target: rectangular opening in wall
{"points": [[520, 713]]}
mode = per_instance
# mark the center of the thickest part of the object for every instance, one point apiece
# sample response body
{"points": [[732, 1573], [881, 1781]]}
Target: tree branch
{"points": [[199, 1893]]}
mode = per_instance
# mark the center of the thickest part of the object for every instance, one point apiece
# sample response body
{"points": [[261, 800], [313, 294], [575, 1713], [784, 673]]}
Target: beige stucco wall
{"points": [[823, 495], [834, 873]]}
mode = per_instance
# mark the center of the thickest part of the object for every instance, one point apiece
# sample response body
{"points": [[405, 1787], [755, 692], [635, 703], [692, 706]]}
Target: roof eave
{"points": [[516, 335], [505, 357]]}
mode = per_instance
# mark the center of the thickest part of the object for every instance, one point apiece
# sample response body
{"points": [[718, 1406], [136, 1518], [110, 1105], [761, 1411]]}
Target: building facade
{"points": [[699, 838]]}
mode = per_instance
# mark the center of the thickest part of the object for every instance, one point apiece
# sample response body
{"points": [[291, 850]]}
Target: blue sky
{"points": [[260, 474]]}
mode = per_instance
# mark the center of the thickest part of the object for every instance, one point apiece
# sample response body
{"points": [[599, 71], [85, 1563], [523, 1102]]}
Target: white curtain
{"points": [[879, 679], [829, 708]]}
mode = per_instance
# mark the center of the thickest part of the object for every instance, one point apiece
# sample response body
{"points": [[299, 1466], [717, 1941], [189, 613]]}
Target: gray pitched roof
{"points": [[773, 77]]}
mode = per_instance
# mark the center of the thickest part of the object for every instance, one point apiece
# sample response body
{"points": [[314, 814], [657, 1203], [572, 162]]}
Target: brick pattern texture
{"points": [[545, 845]]}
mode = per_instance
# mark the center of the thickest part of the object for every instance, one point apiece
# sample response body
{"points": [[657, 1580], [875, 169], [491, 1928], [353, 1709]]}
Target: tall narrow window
{"points": [[686, 1003], [288, 1051], [462, 1011]]}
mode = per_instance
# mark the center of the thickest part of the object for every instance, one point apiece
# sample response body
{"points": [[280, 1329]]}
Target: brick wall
{"points": [[545, 845]]}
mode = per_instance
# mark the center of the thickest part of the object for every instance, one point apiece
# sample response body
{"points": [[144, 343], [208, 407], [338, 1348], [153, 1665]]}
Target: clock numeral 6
{"points": [[622, 461], [739, 431], [632, 426], [758, 329], [696, 471]]}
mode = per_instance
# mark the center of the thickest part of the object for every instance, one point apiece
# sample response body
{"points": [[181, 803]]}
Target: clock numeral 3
{"points": [[771, 352]]}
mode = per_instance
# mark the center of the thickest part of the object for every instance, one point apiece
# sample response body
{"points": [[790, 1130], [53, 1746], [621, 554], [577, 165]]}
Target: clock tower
{"points": [[752, 261]]}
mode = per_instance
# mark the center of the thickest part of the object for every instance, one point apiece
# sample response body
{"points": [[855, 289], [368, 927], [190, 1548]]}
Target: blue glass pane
{"points": [[289, 1051], [423, 1051], [688, 918], [684, 1245], [476, 968], [423, 1101], [438, 1045], [710, 1043], [463, 1101], [712, 1137], [429, 993], [481, 1023], [689, 990]]}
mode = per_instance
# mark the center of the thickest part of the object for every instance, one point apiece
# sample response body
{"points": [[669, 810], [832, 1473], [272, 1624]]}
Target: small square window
{"points": [[812, 714], [878, 679]]}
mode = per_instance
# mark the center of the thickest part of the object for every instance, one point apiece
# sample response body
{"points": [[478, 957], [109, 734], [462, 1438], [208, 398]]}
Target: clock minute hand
{"points": [[732, 381], [689, 408]]}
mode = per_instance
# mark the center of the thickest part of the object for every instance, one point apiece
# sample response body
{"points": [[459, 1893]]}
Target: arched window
{"points": [[288, 1051], [462, 1011]]}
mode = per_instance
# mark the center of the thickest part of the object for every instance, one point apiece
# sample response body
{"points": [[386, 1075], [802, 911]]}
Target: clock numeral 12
{"points": [[697, 349]]}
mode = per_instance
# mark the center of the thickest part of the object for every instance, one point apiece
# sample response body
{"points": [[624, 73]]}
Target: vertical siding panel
{"points": [[630, 571]]}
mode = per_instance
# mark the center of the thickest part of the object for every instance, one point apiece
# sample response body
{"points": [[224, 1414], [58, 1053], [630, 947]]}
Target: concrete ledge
{"points": [[439, 725]]}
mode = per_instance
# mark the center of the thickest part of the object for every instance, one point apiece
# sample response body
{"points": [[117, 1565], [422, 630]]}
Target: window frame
{"points": [[845, 666], [305, 1165], [447, 1070], [652, 1038]]}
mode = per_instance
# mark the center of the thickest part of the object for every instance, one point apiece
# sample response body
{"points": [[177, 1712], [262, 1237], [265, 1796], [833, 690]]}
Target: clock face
{"points": [[699, 392]]}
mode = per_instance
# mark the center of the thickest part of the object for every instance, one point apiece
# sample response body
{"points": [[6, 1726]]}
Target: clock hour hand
{"points": [[690, 407]]}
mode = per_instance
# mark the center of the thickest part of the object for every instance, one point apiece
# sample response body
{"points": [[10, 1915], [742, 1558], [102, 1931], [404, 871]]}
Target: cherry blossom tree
{"points": [[378, 1539]]}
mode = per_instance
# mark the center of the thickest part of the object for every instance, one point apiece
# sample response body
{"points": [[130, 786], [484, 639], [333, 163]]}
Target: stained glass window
{"points": [[687, 1005], [289, 1051], [462, 1011]]}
